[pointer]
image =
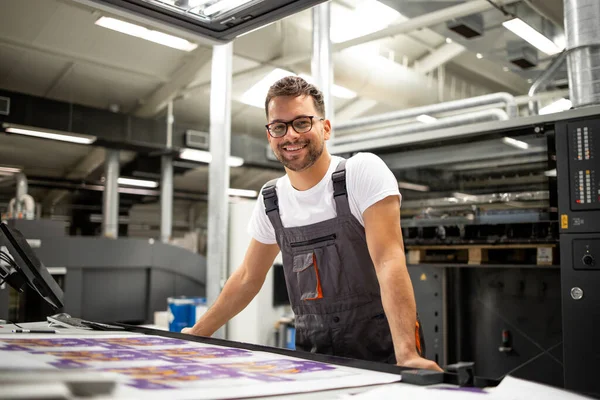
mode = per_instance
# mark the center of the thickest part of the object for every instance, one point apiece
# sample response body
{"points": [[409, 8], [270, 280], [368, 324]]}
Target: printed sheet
{"points": [[159, 367]]}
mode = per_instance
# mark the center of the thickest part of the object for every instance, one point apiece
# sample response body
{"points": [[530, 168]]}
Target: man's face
{"points": [[297, 151]]}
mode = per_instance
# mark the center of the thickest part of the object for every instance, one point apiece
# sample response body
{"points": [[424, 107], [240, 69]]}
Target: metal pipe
{"points": [[542, 81], [494, 98], [218, 172], [322, 67], [110, 199], [583, 43], [166, 183], [462, 119]]}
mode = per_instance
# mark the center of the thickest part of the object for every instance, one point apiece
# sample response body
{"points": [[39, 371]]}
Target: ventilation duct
{"points": [[583, 44], [522, 54], [469, 27]]}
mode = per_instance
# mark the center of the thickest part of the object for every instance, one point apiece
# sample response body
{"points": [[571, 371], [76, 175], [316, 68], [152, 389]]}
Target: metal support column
{"points": [[322, 67], [218, 175], [110, 204], [166, 183]]}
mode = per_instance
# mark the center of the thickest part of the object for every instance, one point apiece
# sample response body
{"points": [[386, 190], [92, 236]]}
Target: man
{"points": [[337, 224]]}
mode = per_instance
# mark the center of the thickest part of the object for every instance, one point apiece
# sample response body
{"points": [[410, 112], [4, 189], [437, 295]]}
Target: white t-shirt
{"points": [[368, 180]]}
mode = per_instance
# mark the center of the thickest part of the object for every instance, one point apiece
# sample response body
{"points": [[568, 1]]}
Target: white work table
{"points": [[36, 366]]}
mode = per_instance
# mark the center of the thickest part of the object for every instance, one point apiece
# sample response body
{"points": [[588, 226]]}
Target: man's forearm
{"points": [[399, 304], [237, 293]]}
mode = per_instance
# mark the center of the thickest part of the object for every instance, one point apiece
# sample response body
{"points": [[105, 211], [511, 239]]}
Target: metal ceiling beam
{"points": [[355, 109], [461, 153], [184, 75], [81, 171], [439, 57], [78, 58]]}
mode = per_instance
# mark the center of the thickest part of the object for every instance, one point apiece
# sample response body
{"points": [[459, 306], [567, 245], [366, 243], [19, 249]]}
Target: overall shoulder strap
{"points": [[340, 194], [271, 201]]}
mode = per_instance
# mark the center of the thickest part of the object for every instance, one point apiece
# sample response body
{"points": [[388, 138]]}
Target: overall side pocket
{"points": [[307, 274]]}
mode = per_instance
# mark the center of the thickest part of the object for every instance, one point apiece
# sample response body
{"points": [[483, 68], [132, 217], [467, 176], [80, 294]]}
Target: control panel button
{"points": [[577, 293], [588, 260]]}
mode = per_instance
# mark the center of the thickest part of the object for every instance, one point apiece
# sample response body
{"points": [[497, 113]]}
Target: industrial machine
{"points": [[578, 167]]}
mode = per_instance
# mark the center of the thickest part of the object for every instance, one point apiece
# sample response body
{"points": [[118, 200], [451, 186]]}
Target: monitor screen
{"points": [[29, 267]]}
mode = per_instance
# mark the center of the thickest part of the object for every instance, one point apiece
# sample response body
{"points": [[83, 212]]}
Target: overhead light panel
{"points": [[137, 182], [519, 144], [242, 193], [10, 170], [535, 38], [368, 17], [255, 96], [550, 173], [413, 186], [49, 134], [206, 157], [426, 119], [336, 90], [558, 106], [145, 33]]}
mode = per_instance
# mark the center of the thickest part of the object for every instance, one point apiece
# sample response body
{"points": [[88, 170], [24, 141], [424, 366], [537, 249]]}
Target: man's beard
{"points": [[300, 163]]}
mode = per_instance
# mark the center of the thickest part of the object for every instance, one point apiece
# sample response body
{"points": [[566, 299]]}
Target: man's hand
{"points": [[421, 363], [187, 331]]}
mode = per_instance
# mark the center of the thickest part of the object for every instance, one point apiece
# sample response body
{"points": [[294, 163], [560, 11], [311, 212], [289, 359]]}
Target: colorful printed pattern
{"points": [[184, 360]]}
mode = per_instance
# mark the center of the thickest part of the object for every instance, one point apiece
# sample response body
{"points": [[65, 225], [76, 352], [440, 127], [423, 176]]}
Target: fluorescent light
{"points": [[413, 186], [535, 38], [49, 134], [479, 56], [550, 173], [206, 157], [338, 91], [145, 33], [464, 196], [137, 182], [255, 96], [558, 106], [10, 170], [515, 143], [242, 192], [426, 119], [223, 5]]}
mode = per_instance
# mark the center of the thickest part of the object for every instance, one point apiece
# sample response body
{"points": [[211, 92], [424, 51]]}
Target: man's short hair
{"points": [[296, 86]]}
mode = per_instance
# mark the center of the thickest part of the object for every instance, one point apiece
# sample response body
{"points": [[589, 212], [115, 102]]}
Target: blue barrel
{"points": [[180, 313]]}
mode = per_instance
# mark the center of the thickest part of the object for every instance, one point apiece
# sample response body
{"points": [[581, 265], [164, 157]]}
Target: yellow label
{"points": [[564, 221], [423, 277]]}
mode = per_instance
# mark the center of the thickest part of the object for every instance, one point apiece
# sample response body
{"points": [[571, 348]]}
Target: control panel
{"points": [[586, 254], [584, 160]]}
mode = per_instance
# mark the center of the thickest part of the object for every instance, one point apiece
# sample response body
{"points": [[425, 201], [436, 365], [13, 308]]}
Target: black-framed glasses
{"points": [[300, 124]]}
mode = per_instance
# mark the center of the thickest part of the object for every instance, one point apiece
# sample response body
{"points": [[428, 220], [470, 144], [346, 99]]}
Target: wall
{"points": [[255, 324]]}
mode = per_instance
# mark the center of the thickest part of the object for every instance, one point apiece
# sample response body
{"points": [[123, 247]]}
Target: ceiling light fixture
{"points": [[145, 33], [49, 134], [10, 170], [532, 36], [413, 186], [242, 193], [519, 144], [479, 56], [137, 182], [558, 106], [206, 157], [255, 96], [426, 119]]}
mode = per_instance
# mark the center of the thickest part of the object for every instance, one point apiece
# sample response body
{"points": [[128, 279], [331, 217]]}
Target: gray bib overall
{"points": [[331, 282]]}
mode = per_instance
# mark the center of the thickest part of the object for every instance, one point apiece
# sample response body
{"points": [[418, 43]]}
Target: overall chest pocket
{"points": [[318, 269]]}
